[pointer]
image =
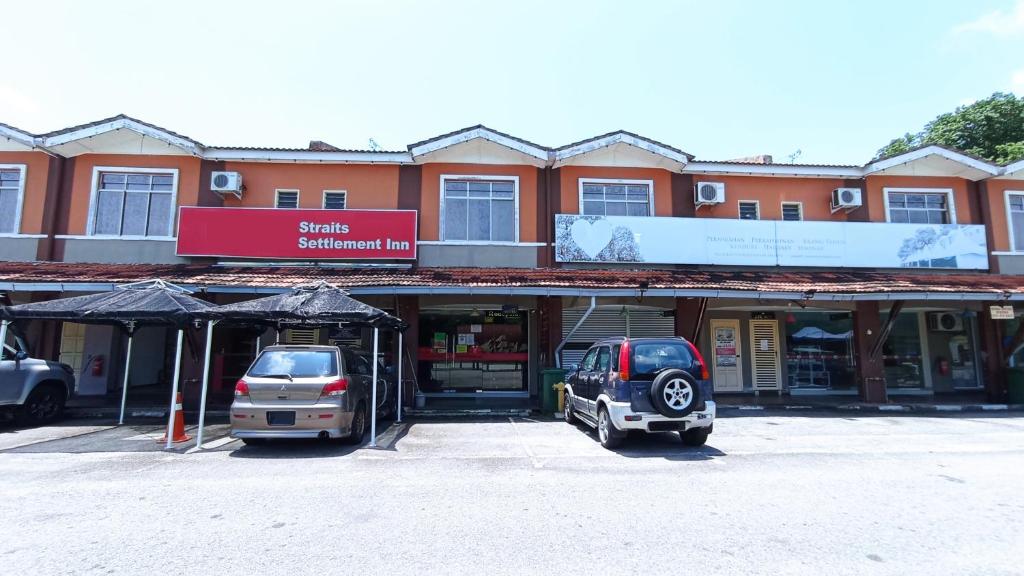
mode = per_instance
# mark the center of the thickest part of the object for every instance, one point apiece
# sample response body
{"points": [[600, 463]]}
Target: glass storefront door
{"points": [[473, 351], [902, 355]]}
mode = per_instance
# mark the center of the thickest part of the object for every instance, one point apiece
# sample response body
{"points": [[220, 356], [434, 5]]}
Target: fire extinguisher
{"points": [[97, 366], [942, 364]]}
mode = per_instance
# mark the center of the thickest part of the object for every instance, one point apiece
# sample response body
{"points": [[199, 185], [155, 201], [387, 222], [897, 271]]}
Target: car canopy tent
{"points": [[319, 304], [151, 302]]}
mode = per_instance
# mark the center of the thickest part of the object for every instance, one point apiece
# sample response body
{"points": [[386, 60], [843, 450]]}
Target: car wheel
{"points": [[358, 431], [674, 394], [44, 404], [695, 436], [570, 416], [254, 441], [610, 436]]}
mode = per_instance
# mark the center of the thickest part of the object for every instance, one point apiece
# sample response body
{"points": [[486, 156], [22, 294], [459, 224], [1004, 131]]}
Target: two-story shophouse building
{"points": [[894, 279]]}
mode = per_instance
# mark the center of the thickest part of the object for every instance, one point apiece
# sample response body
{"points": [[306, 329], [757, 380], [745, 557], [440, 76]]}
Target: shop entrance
{"points": [[469, 352], [725, 354]]}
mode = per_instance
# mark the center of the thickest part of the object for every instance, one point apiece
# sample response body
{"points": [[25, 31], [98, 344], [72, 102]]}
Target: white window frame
{"points": [[19, 203], [298, 198], [799, 209], [950, 201], [344, 193], [489, 178], [90, 229], [757, 206], [1009, 219], [649, 183]]}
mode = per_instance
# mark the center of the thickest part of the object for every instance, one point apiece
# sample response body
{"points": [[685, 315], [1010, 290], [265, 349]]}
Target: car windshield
{"points": [[651, 358], [295, 364]]}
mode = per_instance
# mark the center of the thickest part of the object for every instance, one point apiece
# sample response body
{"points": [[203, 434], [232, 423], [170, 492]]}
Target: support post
{"points": [[870, 369], [127, 369], [206, 383], [3, 333], [373, 405], [398, 389], [174, 391]]}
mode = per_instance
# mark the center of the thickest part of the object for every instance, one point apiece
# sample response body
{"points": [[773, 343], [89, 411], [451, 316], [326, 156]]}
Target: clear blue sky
{"points": [[836, 80]]}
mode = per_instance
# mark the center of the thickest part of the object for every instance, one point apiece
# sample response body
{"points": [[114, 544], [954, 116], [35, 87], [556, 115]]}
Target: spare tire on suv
{"points": [[674, 393]]}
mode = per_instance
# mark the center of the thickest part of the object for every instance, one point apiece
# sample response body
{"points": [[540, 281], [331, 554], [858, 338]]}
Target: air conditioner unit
{"points": [[227, 183], [945, 322], [708, 193], [846, 199]]}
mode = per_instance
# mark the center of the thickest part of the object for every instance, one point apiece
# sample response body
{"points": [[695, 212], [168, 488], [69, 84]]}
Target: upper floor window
{"points": [[792, 211], [1015, 214], [615, 197], [479, 209], [12, 185], [920, 206], [286, 199], [134, 202], [335, 199], [749, 210]]}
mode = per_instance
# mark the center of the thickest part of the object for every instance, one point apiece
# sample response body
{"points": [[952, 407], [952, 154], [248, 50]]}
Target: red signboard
{"points": [[297, 234]]}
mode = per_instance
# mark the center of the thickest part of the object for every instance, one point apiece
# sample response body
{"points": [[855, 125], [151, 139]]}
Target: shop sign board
{"points": [[727, 241], [1001, 312], [274, 233]]}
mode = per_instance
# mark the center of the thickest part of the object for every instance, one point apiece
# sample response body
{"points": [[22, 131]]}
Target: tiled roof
{"points": [[476, 127], [112, 119], [830, 282], [628, 133]]}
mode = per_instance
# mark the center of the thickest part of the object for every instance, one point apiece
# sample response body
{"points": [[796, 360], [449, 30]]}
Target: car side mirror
{"points": [[572, 368], [20, 355]]}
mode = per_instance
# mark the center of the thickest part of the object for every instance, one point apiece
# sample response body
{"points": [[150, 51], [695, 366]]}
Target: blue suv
{"points": [[648, 384]]}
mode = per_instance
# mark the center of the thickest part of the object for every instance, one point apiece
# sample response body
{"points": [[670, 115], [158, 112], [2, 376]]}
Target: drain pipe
{"points": [[558, 349]]}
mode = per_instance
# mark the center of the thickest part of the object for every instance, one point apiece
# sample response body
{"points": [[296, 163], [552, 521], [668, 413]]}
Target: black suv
{"points": [[649, 384]]}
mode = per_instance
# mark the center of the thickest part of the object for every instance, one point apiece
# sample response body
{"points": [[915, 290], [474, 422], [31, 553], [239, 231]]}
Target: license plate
{"points": [[281, 418]]}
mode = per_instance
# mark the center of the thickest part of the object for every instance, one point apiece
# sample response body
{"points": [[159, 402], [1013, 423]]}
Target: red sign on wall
{"points": [[297, 234]]}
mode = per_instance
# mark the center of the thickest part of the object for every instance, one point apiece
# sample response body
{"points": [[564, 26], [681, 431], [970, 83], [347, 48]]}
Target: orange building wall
{"points": [[188, 181], [1000, 224], [570, 177], [430, 200], [369, 186], [876, 184], [36, 169], [814, 193]]}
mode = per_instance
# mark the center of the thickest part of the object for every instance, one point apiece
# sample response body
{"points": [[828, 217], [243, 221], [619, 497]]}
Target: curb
{"points": [[870, 408]]}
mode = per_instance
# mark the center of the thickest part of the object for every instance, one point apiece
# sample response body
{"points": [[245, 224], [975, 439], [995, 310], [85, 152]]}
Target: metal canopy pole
{"points": [[174, 391], [3, 334], [373, 411], [127, 368], [206, 384], [398, 391]]}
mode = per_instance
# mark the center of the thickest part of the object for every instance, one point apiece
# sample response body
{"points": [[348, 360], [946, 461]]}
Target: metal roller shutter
{"points": [[607, 321]]}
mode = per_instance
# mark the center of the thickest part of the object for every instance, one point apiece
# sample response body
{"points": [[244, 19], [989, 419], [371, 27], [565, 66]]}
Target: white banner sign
{"points": [[724, 241]]}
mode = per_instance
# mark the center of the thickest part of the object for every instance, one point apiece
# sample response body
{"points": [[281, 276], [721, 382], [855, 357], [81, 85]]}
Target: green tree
{"points": [[992, 128]]}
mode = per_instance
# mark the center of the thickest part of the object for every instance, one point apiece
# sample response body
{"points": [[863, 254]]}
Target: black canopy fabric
{"points": [[316, 304], [153, 302]]}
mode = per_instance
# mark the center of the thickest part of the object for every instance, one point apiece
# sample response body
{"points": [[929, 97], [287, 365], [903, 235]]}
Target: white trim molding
{"points": [[126, 124], [4, 235], [562, 156], [950, 200], [15, 135], [113, 237], [580, 182], [310, 156], [921, 153], [799, 209], [483, 177], [19, 202], [1009, 218], [739, 208], [477, 243], [90, 225]]}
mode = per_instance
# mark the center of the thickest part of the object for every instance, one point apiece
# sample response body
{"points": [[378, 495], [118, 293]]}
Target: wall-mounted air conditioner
{"points": [[708, 193], [945, 322], [846, 199], [227, 183]]}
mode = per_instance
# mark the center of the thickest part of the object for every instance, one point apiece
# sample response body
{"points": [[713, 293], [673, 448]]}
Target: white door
{"points": [[725, 355], [72, 345], [765, 363]]}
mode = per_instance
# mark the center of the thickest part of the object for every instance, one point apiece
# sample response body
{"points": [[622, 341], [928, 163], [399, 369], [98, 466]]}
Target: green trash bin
{"points": [[1015, 385], [548, 395]]}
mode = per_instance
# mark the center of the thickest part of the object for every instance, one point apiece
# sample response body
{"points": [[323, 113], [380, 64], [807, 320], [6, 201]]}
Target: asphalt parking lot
{"points": [[768, 494]]}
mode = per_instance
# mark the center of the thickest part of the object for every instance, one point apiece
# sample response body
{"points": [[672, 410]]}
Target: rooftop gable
{"points": [[933, 160], [15, 139], [120, 134], [621, 148], [479, 144]]}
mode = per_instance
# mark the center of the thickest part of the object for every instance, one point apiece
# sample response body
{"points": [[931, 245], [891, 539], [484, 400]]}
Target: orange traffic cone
{"points": [[179, 423]]}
